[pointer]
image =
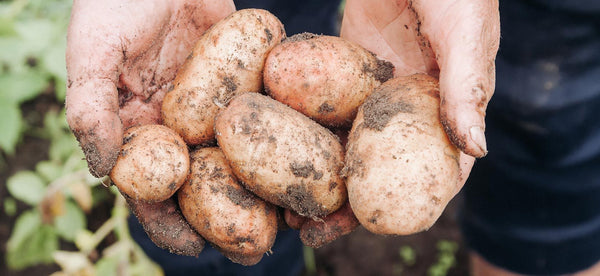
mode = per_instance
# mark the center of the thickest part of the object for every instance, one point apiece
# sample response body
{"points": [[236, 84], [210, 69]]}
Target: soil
{"points": [[360, 253]]}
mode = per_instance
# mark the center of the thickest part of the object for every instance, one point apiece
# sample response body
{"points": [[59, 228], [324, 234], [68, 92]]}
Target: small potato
{"points": [[227, 60], [401, 168], [239, 224], [281, 155], [152, 164], [324, 77]]}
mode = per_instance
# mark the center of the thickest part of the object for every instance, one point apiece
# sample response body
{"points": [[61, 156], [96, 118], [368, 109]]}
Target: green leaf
{"points": [[107, 266], [26, 186], [71, 222], [23, 86], [10, 206], [27, 223], [13, 53], [49, 170], [11, 123], [408, 255], [53, 59], [60, 89], [38, 32], [36, 249], [62, 147]]}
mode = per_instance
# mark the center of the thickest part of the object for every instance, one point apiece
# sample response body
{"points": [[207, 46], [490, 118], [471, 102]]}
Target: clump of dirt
{"points": [[300, 37], [379, 108], [240, 197], [305, 170], [301, 200]]}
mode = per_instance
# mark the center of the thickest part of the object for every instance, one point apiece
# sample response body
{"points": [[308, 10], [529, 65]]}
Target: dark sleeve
{"points": [[297, 16]]}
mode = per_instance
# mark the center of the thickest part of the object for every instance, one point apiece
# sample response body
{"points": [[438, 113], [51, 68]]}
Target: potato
{"points": [[324, 77], [315, 233], [239, 224], [152, 164], [281, 155], [227, 60], [401, 168]]}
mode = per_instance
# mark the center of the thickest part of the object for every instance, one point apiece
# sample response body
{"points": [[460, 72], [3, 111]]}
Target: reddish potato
{"points": [[282, 155], [324, 77], [226, 61], [237, 223]]}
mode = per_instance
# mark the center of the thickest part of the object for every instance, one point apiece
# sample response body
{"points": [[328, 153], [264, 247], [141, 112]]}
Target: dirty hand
{"points": [[121, 58], [456, 40]]}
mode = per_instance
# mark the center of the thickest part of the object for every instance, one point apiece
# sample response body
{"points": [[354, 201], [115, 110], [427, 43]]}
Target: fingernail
{"points": [[478, 137]]}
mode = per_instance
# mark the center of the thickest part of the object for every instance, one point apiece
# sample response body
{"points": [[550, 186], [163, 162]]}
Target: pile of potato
{"points": [[272, 105]]}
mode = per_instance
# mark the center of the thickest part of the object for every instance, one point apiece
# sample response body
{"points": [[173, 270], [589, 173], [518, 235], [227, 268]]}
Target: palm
{"points": [[391, 30], [454, 40], [121, 58]]}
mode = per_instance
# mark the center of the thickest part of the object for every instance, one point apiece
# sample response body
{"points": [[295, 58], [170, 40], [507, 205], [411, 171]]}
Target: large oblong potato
{"points": [[324, 77], [152, 164], [281, 155], [239, 224], [401, 168], [227, 60]]}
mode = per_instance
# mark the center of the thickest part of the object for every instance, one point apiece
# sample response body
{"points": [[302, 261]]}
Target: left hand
{"points": [[456, 40]]}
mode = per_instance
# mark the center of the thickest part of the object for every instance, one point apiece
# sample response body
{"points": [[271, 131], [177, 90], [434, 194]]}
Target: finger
{"points": [[466, 163], [464, 34], [92, 98], [293, 219], [166, 227], [339, 223]]}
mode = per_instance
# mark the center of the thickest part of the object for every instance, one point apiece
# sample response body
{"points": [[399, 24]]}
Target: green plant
{"points": [[32, 60], [60, 192], [446, 258]]}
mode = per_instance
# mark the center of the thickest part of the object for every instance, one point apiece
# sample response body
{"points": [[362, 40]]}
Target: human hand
{"points": [[456, 41], [121, 59]]}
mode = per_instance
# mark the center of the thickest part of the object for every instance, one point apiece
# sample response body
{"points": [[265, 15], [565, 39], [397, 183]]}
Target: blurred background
{"points": [[56, 219]]}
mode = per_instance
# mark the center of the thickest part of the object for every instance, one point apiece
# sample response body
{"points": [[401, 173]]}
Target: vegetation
{"points": [[60, 192]]}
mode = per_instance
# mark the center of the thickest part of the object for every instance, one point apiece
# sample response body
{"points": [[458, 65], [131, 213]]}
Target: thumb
{"points": [[465, 36], [92, 114]]}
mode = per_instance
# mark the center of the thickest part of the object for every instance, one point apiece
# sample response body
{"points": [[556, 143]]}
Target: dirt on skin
{"points": [[379, 108]]}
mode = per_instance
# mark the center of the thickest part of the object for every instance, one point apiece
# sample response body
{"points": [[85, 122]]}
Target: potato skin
{"points": [[227, 60], [152, 164], [324, 77], [401, 168], [239, 224], [281, 155]]}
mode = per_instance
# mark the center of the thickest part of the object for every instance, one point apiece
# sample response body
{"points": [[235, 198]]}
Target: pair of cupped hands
{"points": [[123, 55]]}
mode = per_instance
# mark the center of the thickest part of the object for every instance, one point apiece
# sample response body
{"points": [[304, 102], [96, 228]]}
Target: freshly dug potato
{"points": [[237, 223], [166, 226], [316, 233], [324, 77], [152, 164], [227, 60], [281, 155], [401, 168]]}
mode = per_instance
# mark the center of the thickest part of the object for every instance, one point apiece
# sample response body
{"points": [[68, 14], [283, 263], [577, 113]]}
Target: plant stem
{"points": [[309, 261]]}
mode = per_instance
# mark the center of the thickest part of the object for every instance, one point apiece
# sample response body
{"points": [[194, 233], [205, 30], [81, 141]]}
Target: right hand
{"points": [[121, 59]]}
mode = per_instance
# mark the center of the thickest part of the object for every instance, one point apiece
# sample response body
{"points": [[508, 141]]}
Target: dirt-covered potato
{"points": [[316, 233], [152, 164], [236, 222], [281, 155], [401, 168], [227, 60], [324, 77]]}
